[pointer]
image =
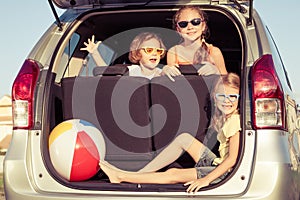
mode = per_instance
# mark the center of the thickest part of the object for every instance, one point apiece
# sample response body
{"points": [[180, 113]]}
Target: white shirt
{"points": [[135, 70]]}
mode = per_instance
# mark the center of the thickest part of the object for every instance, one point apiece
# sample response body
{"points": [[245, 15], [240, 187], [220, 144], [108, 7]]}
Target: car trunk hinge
{"points": [[58, 22], [244, 10], [239, 6]]}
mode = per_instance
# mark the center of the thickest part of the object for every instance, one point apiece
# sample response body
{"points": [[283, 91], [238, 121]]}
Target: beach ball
{"points": [[76, 148]]}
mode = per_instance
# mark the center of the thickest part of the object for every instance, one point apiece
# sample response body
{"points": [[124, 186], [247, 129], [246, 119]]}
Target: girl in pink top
{"points": [[190, 23]]}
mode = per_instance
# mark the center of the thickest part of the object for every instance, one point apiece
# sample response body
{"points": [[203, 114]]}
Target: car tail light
{"points": [[267, 95], [23, 93]]}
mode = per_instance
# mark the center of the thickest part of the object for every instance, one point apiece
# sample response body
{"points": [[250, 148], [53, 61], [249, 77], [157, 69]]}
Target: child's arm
{"points": [[171, 57], [92, 48], [218, 59], [227, 164], [171, 69]]}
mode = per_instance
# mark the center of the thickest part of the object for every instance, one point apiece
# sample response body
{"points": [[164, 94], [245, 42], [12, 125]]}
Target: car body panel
{"points": [[267, 167]]}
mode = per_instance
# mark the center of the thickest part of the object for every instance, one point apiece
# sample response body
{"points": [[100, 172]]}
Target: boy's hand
{"points": [[91, 46]]}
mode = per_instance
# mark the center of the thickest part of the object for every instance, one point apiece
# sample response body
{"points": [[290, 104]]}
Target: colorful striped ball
{"points": [[76, 148]]}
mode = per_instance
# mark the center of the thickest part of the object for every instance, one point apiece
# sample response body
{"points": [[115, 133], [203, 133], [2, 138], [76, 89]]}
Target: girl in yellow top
{"points": [[190, 23], [209, 168]]}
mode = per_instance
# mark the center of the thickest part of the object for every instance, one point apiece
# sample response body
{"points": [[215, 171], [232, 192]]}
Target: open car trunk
{"points": [[154, 110]]}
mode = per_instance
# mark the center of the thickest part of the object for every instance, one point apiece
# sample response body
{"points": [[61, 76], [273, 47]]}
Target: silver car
{"points": [[137, 117]]}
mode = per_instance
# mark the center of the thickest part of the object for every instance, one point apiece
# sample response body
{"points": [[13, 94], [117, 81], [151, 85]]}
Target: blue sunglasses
{"points": [[230, 97]]}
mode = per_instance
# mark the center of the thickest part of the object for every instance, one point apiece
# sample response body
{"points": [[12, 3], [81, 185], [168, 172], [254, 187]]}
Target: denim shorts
{"points": [[204, 165]]}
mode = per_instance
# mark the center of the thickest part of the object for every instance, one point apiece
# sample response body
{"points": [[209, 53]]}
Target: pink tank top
{"points": [[210, 46]]}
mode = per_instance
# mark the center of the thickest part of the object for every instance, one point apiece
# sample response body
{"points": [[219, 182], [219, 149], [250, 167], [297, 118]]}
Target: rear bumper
{"points": [[270, 181], [271, 177]]}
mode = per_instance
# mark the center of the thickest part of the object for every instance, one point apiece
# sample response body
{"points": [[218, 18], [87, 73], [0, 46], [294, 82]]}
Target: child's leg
{"points": [[183, 142], [170, 176]]}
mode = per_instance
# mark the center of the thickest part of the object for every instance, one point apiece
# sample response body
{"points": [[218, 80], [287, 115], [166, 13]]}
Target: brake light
{"points": [[23, 93], [267, 95]]}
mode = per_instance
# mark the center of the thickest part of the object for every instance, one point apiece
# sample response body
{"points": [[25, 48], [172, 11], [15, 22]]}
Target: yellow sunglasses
{"points": [[150, 50]]}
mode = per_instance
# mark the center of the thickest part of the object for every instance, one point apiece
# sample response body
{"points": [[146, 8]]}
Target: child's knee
{"points": [[185, 139]]}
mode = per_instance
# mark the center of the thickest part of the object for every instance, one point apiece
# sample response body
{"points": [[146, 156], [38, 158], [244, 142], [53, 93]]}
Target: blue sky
{"points": [[24, 22]]}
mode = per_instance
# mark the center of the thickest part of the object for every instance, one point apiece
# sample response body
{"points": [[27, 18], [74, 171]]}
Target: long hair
{"points": [[218, 119], [201, 55]]}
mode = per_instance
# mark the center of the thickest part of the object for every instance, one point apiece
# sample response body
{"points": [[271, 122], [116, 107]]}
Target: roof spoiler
{"points": [[58, 22]]}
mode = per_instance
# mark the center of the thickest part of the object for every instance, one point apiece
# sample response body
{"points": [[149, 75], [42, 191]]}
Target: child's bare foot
{"points": [[111, 171]]}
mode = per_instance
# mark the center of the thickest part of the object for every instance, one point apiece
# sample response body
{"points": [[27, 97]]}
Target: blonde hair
{"points": [[231, 80], [201, 55], [134, 54]]}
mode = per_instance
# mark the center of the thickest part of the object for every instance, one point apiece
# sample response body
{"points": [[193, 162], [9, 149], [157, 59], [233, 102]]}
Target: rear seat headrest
{"points": [[122, 69], [114, 70], [190, 69]]}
